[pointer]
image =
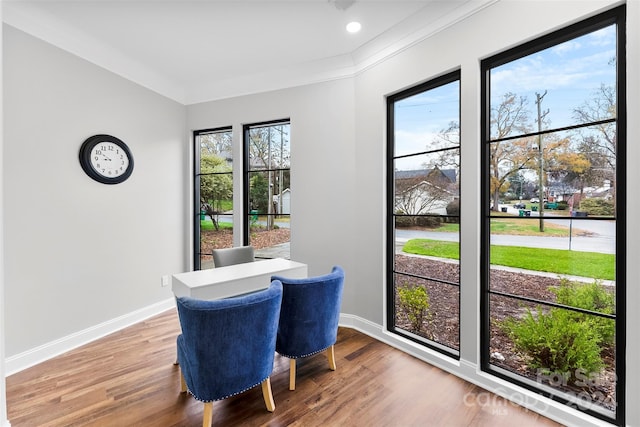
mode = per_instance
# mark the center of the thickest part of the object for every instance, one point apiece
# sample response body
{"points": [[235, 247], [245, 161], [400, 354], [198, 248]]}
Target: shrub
{"points": [[404, 221], [556, 344], [597, 206], [563, 205], [414, 301], [453, 208], [418, 220], [589, 296], [428, 221]]}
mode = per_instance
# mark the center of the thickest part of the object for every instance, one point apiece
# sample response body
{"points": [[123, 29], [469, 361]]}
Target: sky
{"points": [[570, 73]]}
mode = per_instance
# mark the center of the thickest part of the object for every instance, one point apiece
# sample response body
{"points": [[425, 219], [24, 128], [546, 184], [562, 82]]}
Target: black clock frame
{"points": [[85, 158]]}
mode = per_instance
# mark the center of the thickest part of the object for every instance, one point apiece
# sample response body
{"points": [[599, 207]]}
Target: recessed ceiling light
{"points": [[353, 27]]}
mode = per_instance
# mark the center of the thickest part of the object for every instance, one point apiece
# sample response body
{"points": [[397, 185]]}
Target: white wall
{"points": [[322, 167], [633, 207], [4, 421], [81, 255]]}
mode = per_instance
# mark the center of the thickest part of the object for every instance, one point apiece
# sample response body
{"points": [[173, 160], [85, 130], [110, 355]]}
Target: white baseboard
{"points": [[46, 351], [471, 372]]}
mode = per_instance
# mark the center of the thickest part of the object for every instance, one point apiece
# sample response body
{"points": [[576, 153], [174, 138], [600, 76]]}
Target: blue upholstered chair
{"points": [[309, 318], [231, 256], [227, 346]]}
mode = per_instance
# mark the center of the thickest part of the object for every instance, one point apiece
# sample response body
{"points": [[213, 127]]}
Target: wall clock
{"points": [[106, 159]]}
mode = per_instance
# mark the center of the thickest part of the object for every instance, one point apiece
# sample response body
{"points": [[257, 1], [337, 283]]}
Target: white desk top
{"points": [[224, 282]]}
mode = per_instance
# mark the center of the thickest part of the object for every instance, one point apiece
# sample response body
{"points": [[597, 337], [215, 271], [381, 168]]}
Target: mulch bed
{"points": [[443, 324], [260, 239]]}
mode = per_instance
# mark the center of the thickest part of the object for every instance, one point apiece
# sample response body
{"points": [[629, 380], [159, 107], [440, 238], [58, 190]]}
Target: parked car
{"points": [[520, 206], [537, 200]]}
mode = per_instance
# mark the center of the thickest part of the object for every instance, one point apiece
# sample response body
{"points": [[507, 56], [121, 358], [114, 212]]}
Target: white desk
{"points": [[224, 282]]}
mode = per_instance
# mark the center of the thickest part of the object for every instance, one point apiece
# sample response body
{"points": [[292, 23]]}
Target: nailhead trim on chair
{"points": [[306, 355], [227, 396]]}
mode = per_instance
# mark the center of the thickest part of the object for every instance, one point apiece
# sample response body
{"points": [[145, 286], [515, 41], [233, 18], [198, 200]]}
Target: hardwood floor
{"points": [[129, 379]]}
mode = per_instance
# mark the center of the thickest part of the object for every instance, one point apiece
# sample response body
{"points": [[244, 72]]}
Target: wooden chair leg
{"points": [[183, 383], [268, 395], [332, 358], [292, 374], [207, 417]]}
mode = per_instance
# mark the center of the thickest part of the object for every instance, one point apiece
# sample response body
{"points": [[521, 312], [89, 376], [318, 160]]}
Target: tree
{"points": [[269, 150], [591, 168], [517, 185], [258, 192], [547, 155], [422, 192], [507, 158], [216, 185], [575, 169], [599, 142], [600, 139], [269, 147], [218, 143], [447, 138]]}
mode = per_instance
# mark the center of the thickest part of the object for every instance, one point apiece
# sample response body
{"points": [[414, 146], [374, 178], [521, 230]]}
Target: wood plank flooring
{"points": [[129, 379]]}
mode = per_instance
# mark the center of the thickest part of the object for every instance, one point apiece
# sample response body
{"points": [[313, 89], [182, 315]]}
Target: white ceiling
{"points": [[200, 50]]}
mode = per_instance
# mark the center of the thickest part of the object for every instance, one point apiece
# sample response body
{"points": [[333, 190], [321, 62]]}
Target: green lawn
{"points": [[521, 227], [585, 264], [436, 248], [208, 225], [528, 227]]}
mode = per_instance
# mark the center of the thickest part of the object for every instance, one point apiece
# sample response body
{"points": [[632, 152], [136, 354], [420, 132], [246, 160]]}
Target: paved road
{"points": [[601, 236], [228, 218]]}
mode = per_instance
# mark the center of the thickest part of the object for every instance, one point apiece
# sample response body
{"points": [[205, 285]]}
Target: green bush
{"points": [[597, 206], [563, 205], [418, 220], [404, 221], [453, 208], [555, 343], [589, 296], [414, 301], [428, 221]]}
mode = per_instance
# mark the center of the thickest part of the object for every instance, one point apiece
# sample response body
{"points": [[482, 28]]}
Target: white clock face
{"points": [[109, 160]]}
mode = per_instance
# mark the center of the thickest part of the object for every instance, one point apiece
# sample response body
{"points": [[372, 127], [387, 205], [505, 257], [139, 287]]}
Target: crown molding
{"points": [[418, 27]]}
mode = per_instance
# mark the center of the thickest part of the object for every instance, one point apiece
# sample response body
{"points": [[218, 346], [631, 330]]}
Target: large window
{"points": [[213, 194], [423, 204], [268, 188], [553, 215]]}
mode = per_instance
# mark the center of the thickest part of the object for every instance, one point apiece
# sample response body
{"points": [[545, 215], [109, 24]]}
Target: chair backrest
{"points": [[310, 313], [228, 345], [231, 256]]}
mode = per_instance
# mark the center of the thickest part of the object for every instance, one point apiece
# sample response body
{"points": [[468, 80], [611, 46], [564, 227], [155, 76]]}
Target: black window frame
{"points": [[197, 254], [434, 83], [246, 173], [615, 16]]}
